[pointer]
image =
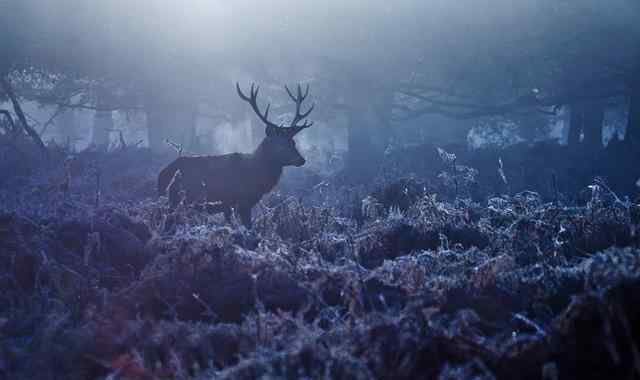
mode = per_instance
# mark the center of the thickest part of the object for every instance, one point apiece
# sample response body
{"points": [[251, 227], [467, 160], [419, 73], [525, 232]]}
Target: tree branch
{"points": [[46, 125], [434, 101], [215, 116], [522, 103], [18, 110], [12, 125], [66, 103], [95, 108]]}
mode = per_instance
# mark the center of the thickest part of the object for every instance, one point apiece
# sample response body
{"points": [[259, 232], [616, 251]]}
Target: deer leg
{"points": [[245, 215]]}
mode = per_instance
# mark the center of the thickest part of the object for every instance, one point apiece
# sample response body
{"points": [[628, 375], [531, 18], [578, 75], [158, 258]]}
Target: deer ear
{"points": [[270, 130]]}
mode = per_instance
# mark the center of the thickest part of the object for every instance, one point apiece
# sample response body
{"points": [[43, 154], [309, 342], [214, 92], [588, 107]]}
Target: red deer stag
{"points": [[240, 180]]}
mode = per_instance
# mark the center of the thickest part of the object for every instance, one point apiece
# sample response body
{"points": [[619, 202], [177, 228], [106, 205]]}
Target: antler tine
{"points": [[253, 101], [300, 97], [304, 115], [290, 93], [242, 95], [306, 92], [298, 100]]}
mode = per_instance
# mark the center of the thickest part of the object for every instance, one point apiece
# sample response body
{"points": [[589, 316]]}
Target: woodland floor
{"points": [[416, 276]]}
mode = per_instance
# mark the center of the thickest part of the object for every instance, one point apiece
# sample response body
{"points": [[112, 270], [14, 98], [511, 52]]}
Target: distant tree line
{"points": [[377, 66]]}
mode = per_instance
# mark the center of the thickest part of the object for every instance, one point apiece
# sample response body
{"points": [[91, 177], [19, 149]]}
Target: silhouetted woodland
{"points": [[466, 204]]}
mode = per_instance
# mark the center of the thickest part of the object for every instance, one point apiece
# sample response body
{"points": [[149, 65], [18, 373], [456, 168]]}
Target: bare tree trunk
{"points": [[460, 132], [243, 124], [10, 126], [8, 89], [593, 125], [102, 124], [102, 121], [67, 128], [190, 117], [368, 129], [157, 126], [576, 122], [168, 121], [364, 152], [633, 124], [587, 118]]}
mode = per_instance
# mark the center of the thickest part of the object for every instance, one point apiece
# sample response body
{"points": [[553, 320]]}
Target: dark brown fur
{"points": [[239, 180], [235, 180]]}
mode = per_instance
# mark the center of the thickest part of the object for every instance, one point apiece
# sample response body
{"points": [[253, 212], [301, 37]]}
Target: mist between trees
{"points": [[465, 206], [382, 73]]}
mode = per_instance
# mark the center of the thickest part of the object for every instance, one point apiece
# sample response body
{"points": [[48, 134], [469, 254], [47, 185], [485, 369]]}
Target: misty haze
{"points": [[364, 189]]}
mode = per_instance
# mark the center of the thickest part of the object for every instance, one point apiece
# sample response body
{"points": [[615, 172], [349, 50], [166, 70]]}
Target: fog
{"points": [[359, 57], [466, 204]]}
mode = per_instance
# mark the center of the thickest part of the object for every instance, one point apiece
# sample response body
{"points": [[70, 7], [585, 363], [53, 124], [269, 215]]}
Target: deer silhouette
{"points": [[239, 180]]}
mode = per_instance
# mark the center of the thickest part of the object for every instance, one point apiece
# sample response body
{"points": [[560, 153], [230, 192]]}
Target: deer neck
{"points": [[265, 161]]}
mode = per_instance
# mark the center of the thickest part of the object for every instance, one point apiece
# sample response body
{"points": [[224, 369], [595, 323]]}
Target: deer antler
{"points": [[294, 128], [298, 99], [253, 101]]}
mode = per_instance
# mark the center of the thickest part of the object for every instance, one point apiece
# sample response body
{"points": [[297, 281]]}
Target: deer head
{"points": [[278, 144]]}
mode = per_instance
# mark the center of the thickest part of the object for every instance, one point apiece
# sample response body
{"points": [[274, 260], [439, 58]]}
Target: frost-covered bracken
{"points": [[440, 287], [466, 207]]}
